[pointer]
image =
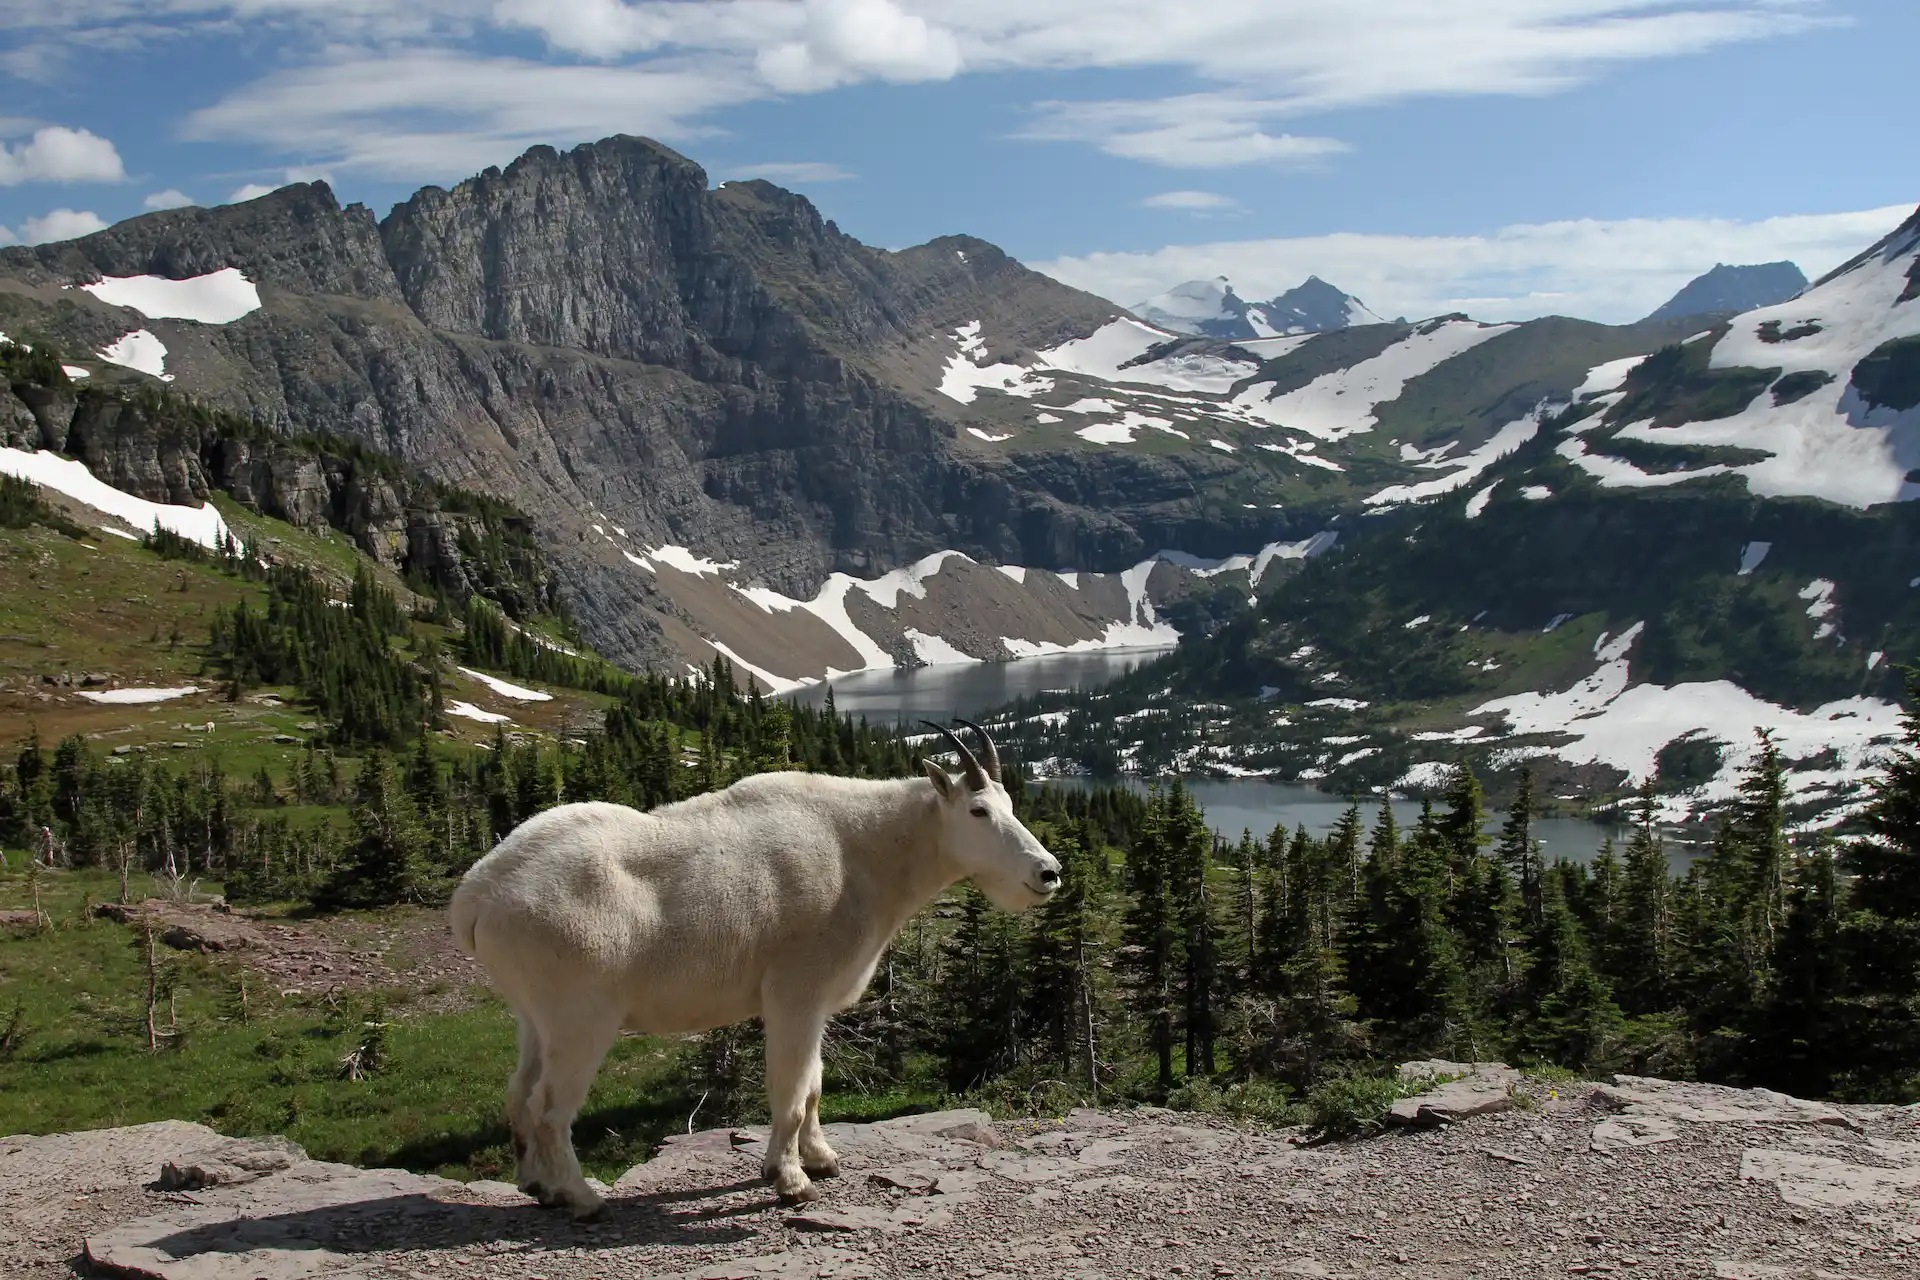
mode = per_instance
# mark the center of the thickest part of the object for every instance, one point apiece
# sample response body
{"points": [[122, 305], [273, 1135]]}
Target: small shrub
{"points": [[1354, 1104]]}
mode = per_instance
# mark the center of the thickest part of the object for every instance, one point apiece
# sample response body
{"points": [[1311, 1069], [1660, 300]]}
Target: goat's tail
{"points": [[463, 914]]}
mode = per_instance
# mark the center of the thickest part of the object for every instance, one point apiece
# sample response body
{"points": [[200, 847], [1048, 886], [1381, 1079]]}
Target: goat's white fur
{"points": [[772, 898]]}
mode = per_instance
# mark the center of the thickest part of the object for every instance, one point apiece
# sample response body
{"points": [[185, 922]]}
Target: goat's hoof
{"points": [[534, 1189], [828, 1168], [806, 1193], [590, 1211]]}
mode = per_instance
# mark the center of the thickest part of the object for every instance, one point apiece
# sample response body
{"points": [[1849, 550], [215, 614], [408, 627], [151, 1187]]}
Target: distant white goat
{"points": [[773, 898]]}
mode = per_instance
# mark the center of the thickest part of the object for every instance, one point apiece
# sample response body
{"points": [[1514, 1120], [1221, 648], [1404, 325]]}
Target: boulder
{"points": [[1481, 1089]]}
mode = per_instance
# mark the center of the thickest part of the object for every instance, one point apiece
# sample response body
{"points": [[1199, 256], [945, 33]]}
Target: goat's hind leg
{"points": [[530, 1176], [571, 1049]]}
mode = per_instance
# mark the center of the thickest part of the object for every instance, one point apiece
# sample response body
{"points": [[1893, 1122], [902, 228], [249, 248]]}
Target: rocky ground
{"points": [[1490, 1177]]}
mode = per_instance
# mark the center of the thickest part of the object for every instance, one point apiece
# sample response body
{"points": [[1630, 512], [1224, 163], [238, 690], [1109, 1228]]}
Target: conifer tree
{"points": [[1880, 935], [1150, 959], [1639, 953], [980, 1022]]}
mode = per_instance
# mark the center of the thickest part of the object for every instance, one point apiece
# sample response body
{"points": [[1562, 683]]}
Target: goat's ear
{"points": [[941, 779]]}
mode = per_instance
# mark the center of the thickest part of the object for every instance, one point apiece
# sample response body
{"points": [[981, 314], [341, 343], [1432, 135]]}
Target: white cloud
{"points": [[416, 88], [433, 114], [849, 40], [1196, 131], [171, 198], [1609, 271], [1191, 201], [793, 171], [253, 191], [56, 224], [59, 154]]}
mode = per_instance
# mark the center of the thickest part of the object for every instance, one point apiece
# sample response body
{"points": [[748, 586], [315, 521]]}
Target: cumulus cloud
{"points": [[59, 154], [171, 198], [1191, 201], [849, 40], [253, 191], [802, 171], [56, 224], [1609, 271]]}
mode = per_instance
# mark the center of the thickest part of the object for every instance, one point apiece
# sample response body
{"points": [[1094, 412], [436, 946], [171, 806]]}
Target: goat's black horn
{"points": [[986, 741], [976, 776]]}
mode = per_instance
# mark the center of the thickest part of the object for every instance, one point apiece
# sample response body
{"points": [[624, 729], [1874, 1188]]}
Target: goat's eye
{"points": [[978, 811]]}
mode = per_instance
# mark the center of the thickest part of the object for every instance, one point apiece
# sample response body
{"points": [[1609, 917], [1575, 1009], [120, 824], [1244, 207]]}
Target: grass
{"points": [[78, 1058]]}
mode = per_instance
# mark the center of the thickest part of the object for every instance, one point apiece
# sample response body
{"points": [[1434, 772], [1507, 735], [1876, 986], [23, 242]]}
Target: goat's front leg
{"points": [[793, 1073], [816, 1157]]}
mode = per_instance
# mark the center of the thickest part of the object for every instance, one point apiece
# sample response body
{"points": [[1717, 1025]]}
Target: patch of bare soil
{"points": [[409, 952], [1633, 1178]]}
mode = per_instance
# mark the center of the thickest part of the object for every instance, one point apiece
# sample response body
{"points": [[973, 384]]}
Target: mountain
{"points": [[1727, 288], [1210, 308], [1202, 307], [734, 430], [1314, 306], [1685, 547]]}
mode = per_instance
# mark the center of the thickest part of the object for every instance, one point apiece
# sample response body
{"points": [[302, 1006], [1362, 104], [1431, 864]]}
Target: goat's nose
{"points": [[1049, 877]]}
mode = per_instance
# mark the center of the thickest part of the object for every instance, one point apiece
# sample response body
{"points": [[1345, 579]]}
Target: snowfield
{"points": [[219, 297], [506, 688], [64, 475], [140, 351], [1342, 403], [1828, 444], [1612, 721], [137, 697]]}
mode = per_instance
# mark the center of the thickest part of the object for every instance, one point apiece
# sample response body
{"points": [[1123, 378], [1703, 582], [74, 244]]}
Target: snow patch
{"points": [[935, 651], [134, 697], [1017, 572], [989, 437], [140, 351], [687, 562], [1342, 403], [201, 524], [1471, 465], [506, 688], [467, 711], [219, 297], [75, 371], [1536, 493], [1478, 502]]}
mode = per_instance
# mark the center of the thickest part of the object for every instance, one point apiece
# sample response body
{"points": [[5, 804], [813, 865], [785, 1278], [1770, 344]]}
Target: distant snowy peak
{"points": [[1202, 308], [1210, 308], [1728, 288], [1315, 307]]}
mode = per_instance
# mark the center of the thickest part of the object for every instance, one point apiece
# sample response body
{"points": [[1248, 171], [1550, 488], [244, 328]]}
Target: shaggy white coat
{"points": [[772, 898]]}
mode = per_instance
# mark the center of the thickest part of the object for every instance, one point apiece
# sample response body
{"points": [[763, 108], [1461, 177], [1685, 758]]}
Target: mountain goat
{"points": [[773, 898]]}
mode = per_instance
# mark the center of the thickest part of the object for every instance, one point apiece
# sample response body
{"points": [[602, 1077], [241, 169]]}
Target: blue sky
{"points": [[1504, 157]]}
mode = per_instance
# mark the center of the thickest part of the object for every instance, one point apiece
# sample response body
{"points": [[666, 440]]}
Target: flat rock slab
{"points": [[1715, 1104], [788, 1264], [1616, 1133], [1823, 1182], [313, 1219], [1486, 1088]]}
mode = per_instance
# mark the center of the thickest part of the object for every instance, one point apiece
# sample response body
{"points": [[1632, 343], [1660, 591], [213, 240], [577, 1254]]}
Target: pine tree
{"points": [[1640, 948], [1569, 1017], [1880, 935], [1062, 1004], [1150, 959], [386, 863], [981, 1032], [1801, 1023]]}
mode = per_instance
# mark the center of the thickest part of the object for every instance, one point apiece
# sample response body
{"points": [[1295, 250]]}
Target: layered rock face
{"points": [[599, 338]]}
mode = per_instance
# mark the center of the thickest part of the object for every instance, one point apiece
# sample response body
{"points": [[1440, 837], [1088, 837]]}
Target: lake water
{"points": [[1232, 804], [969, 689]]}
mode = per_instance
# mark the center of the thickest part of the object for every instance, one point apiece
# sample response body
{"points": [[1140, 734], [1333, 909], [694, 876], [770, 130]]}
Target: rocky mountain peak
{"points": [[1733, 289]]}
